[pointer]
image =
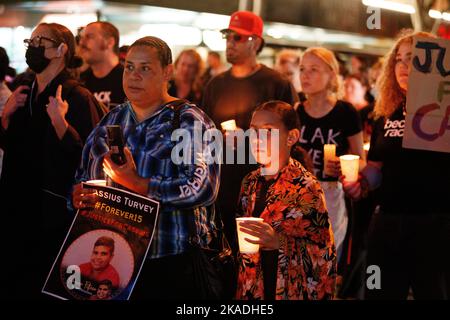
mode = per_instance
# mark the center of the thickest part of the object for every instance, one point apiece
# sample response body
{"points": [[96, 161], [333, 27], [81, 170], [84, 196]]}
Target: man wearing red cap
{"points": [[234, 94]]}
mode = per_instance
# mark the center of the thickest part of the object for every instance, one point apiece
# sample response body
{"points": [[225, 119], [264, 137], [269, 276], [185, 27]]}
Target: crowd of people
{"points": [[318, 231]]}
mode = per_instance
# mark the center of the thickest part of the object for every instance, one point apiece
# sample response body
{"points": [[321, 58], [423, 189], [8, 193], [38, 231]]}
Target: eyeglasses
{"points": [[236, 37], [37, 41]]}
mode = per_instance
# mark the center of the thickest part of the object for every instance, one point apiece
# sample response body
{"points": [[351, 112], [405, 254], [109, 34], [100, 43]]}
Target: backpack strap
{"points": [[176, 106]]}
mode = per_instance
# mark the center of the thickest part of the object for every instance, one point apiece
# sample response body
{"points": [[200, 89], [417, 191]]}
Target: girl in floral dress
{"points": [[297, 258]]}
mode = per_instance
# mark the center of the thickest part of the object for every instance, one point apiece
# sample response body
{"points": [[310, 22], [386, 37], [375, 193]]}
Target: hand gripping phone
{"points": [[116, 144]]}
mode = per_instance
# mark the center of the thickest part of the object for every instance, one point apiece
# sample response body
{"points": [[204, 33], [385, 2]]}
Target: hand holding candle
{"points": [[350, 167], [85, 198], [254, 233], [329, 156]]}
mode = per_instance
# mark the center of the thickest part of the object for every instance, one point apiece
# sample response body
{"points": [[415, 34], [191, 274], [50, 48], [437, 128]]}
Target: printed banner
{"points": [[105, 248], [428, 102]]}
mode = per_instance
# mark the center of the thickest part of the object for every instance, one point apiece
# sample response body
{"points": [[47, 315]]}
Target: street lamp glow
{"points": [[399, 6]]}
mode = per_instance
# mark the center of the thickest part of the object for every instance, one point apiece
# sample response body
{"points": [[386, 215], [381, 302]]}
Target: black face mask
{"points": [[36, 60]]}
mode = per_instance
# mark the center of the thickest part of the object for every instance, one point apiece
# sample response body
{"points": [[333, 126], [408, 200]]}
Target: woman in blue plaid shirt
{"points": [[186, 191]]}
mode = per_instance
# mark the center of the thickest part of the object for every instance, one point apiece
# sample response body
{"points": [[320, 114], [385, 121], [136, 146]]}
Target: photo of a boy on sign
{"points": [[105, 270]]}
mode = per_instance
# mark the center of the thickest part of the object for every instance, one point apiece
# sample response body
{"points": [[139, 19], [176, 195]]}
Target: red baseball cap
{"points": [[246, 23]]}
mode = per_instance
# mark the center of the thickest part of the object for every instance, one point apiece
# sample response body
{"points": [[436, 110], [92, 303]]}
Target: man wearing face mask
{"points": [[43, 129]]}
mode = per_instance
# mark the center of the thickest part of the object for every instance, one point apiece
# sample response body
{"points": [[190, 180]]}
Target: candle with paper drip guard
{"points": [[329, 153], [245, 246], [229, 125], [350, 167], [101, 183]]}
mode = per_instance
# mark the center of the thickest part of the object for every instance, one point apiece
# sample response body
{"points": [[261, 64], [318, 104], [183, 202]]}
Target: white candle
{"points": [[229, 125], [245, 246], [350, 167], [97, 182], [329, 153]]}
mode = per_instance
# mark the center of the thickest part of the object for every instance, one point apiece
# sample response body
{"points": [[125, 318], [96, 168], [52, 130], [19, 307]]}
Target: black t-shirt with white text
{"points": [[335, 127], [413, 181], [108, 89]]}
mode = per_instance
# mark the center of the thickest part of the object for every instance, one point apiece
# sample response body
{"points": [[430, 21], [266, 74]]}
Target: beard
{"points": [[232, 56], [93, 56]]}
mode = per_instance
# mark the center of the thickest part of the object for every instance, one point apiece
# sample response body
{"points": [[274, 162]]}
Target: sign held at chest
{"points": [[428, 101]]}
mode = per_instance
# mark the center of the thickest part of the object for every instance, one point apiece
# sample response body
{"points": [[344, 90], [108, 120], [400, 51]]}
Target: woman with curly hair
{"points": [[297, 257], [410, 233]]}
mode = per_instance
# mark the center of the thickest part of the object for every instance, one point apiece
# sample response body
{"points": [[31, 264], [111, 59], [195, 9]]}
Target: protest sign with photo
{"points": [[105, 247]]}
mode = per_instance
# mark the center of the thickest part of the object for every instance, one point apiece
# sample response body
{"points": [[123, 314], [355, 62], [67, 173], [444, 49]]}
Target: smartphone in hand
{"points": [[116, 144]]}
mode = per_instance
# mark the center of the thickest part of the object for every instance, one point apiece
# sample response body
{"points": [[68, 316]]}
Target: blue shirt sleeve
{"points": [[197, 180]]}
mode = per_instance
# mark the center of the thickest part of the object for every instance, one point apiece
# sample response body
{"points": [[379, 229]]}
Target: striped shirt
{"points": [[184, 191]]}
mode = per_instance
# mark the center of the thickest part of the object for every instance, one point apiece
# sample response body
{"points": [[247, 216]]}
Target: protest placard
{"points": [[105, 247], [427, 124]]}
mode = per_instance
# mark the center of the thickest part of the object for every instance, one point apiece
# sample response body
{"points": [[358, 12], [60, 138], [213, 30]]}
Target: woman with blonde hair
{"points": [[326, 119], [409, 235], [187, 82]]}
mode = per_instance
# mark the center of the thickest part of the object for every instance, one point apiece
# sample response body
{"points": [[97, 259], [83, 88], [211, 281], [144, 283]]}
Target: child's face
{"points": [[101, 257], [268, 145], [103, 291]]}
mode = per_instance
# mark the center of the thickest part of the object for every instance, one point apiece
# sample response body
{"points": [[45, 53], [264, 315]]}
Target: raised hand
{"points": [[57, 110], [15, 101], [56, 107]]}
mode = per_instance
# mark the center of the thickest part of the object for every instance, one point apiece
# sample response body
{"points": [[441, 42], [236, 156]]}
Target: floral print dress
{"points": [[295, 208]]}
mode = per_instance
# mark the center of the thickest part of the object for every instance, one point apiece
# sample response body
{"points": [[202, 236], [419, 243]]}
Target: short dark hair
{"points": [[286, 112], [4, 63], [106, 242], [163, 51], [109, 31], [105, 282], [124, 49]]}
